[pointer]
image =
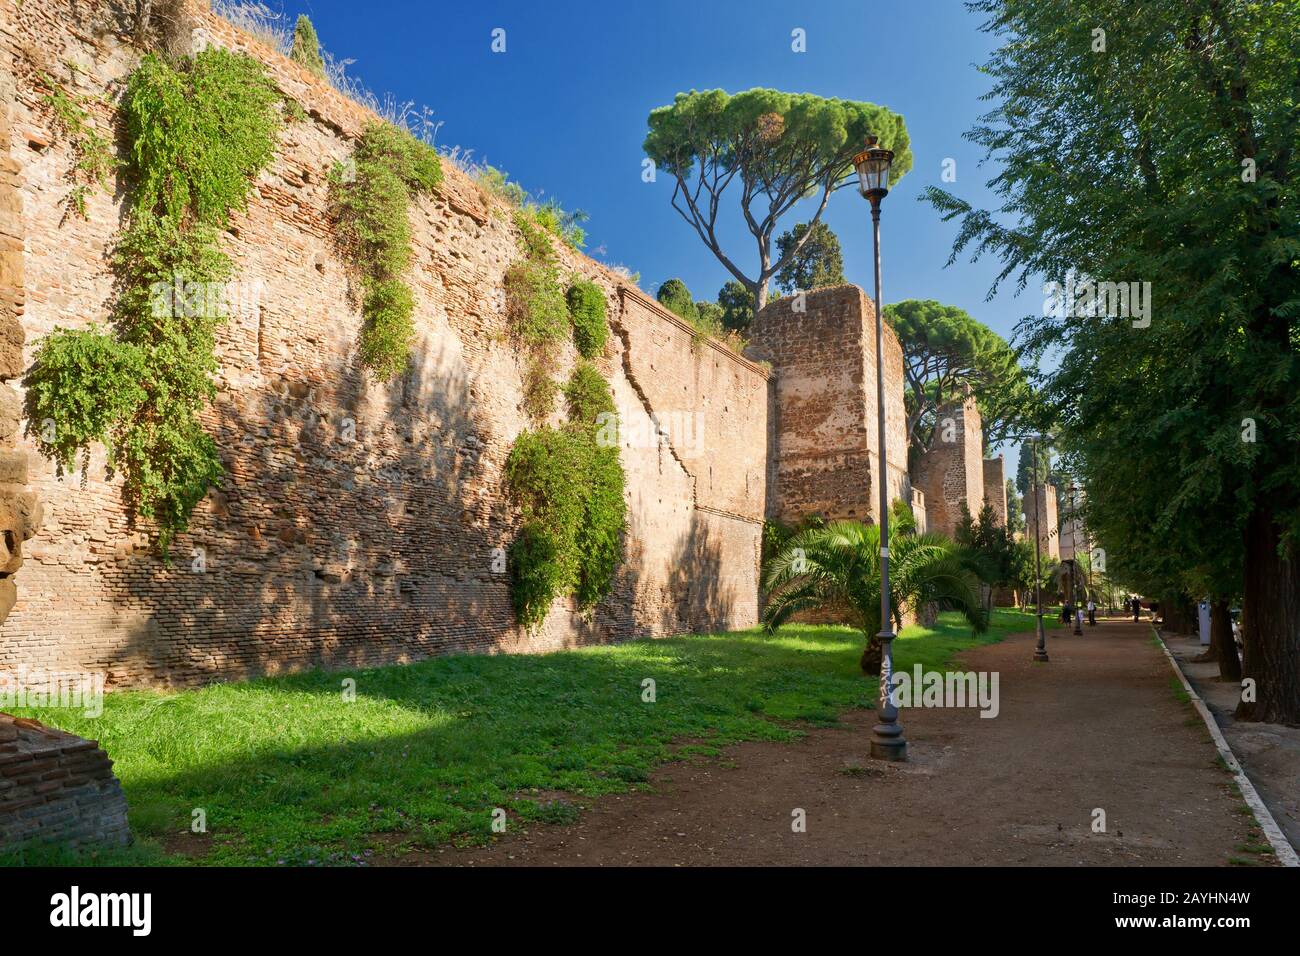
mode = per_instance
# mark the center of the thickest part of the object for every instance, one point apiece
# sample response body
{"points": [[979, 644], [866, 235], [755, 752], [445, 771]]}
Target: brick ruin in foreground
{"points": [[55, 787], [315, 551]]}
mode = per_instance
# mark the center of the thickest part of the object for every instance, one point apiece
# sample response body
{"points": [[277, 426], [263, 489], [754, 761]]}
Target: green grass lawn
{"points": [[289, 772]]}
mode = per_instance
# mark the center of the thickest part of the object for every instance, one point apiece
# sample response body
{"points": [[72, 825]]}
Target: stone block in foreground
{"points": [[57, 788]]}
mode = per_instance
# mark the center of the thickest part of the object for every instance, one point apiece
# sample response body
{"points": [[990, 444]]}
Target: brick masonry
{"points": [[995, 487], [20, 511], [951, 472], [824, 414], [57, 788], [316, 550]]}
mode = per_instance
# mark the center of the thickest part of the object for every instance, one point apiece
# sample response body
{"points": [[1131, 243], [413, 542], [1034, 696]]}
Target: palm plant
{"points": [[839, 566]]}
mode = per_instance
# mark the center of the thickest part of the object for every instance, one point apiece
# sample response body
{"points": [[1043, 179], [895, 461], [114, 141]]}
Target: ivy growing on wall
{"points": [[200, 129], [587, 309], [567, 481], [568, 484], [372, 193], [93, 159]]}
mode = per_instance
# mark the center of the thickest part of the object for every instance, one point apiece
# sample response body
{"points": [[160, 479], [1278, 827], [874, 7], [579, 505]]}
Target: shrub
{"points": [[537, 573], [587, 311], [306, 46], [587, 394], [539, 391], [389, 308], [537, 245], [535, 305], [371, 195], [200, 129], [600, 537], [83, 385], [570, 491], [93, 159]]}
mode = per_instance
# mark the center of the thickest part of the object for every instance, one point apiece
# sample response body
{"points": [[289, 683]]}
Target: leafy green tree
{"points": [[778, 148], [1047, 475], [839, 566], [1015, 506], [306, 46], [944, 351], [1164, 153], [812, 257], [709, 317], [676, 297], [737, 304]]}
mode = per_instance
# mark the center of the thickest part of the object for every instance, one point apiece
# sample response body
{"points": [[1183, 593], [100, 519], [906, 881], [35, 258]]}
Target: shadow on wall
{"points": [[704, 595], [353, 527]]}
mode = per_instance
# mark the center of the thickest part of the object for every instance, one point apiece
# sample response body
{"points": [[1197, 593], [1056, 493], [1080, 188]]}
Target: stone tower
{"points": [[951, 473], [824, 415], [995, 487]]}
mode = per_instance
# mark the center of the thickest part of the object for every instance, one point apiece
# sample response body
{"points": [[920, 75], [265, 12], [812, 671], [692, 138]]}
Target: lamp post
{"points": [[1040, 651], [887, 743]]}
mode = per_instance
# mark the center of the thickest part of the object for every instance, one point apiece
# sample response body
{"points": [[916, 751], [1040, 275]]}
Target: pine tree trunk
{"points": [[1271, 618], [1222, 644]]}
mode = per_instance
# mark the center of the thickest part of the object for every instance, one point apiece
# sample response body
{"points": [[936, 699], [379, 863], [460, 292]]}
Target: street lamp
{"points": [[887, 741], [1040, 651]]}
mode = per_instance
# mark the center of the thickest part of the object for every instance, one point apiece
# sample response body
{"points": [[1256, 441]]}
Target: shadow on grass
{"points": [[306, 769]]}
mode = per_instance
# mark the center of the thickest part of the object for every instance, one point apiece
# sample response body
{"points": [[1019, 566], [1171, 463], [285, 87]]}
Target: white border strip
{"points": [[1286, 854]]}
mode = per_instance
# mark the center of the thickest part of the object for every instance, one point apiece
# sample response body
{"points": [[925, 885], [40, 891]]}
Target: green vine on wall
{"points": [[93, 159], [567, 481], [372, 193], [200, 129]]}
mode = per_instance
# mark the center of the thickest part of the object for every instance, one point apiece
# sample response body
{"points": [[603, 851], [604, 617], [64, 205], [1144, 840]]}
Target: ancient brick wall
{"points": [[57, 788], [20, 512], [357, 522], [995, 487], [951, 472], [823, 440]]}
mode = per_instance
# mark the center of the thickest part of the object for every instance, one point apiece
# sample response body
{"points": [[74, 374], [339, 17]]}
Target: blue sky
{"points": [[563, 111]]}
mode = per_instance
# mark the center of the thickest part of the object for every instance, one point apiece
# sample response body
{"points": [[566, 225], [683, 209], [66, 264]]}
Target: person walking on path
{"points": [[1092, 613], [1137, 609]]}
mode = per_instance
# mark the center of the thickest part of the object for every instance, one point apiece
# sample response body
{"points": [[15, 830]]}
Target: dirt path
{"points": [[1098, 727]]}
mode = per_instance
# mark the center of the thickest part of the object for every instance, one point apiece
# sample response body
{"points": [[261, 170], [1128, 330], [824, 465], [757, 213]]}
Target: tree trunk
{"points": [[1271, 619], [1222, 644], [143, 16], [872, 655]]}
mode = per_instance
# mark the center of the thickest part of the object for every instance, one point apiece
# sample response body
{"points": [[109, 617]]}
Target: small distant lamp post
{"points": [[1040, 651], [887, 742]]}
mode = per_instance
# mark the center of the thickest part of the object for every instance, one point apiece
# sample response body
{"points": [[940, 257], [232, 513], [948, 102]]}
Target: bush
{"points": [[537, 245], [372, 195], [82, 387], [570, 492], [389, 329], [587, 311], [535, 305], [537, 572], [587, 394], [200, 129], [539, 391], [600, 537]]}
